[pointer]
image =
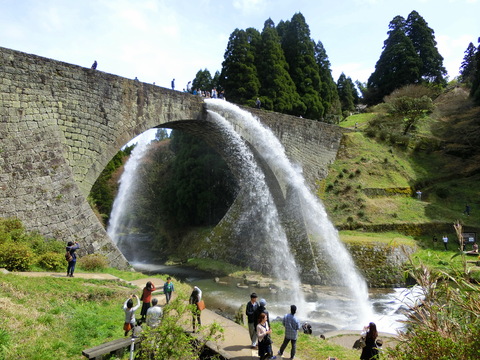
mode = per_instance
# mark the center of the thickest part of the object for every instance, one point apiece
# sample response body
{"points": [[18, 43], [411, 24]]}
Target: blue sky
{"points": [[157, 40]]}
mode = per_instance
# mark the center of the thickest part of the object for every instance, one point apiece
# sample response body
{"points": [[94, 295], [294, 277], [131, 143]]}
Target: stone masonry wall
{"points": [[60, 124]]}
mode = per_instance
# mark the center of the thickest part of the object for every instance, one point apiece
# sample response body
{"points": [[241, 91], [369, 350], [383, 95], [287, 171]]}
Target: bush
{"points": [[93, 262], [51, 261], [15, 257]]}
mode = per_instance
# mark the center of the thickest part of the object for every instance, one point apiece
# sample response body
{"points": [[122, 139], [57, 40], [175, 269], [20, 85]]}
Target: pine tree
{"points": [[299, 53], [277, 90], [398, 65], [239, 76], [328, 91], [469, 64], [202, 81], [345, 93], [475, 91], [423, 39]]}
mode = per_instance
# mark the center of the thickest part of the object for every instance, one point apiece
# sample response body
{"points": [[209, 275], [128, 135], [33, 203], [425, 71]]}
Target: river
{"points": [[327, 307]]}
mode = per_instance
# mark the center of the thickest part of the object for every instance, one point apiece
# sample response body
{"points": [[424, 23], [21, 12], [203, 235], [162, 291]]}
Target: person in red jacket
{"points": [[146, 299]]}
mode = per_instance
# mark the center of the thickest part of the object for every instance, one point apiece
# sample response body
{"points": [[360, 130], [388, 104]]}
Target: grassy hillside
{"points": [[372, 185]]}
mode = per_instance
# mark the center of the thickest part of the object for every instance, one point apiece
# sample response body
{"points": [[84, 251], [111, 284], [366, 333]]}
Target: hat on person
{"points": [[263, 302], [253, 295]]}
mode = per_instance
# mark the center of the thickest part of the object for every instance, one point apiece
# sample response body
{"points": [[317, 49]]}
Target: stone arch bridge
{"points": [[60, 124]]}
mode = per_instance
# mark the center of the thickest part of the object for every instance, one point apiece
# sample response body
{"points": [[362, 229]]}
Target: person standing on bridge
{"points": [[250, 311], [71, 248], [291, 324]]}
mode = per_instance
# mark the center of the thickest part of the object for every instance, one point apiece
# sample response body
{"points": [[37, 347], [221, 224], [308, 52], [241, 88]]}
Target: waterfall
{"points": [[120, 219], [264, 211], [319, 227]]}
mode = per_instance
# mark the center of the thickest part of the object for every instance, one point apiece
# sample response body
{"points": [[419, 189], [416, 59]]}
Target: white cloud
{"points": [[250, 6]]}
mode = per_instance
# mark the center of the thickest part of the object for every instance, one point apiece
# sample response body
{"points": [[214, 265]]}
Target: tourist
{"points": [[261, 310], [94, 65], [258, 103], [154, 314], [370, 350], [214, 93], [291, 324], [251, 308], [419, 195], [129, 309], [146, 299], [445, 242], [307, 328], [196, 299], [264, 339], [71, 248], [467, 210], [173, 84], [189, 87], [168, 289]]}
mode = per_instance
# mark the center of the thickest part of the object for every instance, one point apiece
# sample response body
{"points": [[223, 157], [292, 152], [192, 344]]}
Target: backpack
{"points": [[68, 256]]}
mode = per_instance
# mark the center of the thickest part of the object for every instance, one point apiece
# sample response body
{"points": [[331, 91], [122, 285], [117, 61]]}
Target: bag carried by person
{"points": [[68, 256], [201, 305], [267, 339]]}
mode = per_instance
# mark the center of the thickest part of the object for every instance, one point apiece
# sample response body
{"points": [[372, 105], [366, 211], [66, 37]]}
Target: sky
{"points": [[157, 40]]}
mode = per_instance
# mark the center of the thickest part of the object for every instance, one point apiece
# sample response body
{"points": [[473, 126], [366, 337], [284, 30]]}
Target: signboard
{"points": [[469, 237]]}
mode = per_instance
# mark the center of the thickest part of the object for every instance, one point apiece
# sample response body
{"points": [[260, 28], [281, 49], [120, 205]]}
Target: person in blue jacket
{"points": [[71, 248]]}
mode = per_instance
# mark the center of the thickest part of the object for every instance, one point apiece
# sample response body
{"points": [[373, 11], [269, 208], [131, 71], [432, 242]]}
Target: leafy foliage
{"points": [[15, 257], [170, 341], [93, 262], [469, 64], [51, 261], [475, 91], [445, 325]]}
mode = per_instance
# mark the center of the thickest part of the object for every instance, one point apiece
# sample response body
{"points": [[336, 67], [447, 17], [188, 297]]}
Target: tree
{"points": [[398, 65], [423, 40], [475, 91], [345, 93], [239, 76], [299, 53], [278, 91], [469, 64], [202, 81], [161, 134], [328, 91]]}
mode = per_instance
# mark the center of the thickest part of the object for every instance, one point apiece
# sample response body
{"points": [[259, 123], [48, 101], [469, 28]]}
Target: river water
{"points": [[327, 307]]}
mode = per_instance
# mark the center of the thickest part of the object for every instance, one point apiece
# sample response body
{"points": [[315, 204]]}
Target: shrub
{"points": [[51, 261], [93, 262], [15, 257], [442, 192]]}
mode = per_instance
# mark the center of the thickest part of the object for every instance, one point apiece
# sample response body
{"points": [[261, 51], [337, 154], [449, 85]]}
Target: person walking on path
{"points": [[195, 299], [168, 289], [251, 307], [129, 310], [264, 339], [370, 350], [445, 242], [71, 248], [154, 314], [291, 324], [146, 299]]}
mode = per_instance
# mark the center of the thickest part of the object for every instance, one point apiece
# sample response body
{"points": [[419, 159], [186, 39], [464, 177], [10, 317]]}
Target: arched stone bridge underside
{"points": [[61, 124]]}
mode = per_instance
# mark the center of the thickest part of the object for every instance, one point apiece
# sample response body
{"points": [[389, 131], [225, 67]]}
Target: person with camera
{"points": [[71, 248], [370, 350], [129, 309]]}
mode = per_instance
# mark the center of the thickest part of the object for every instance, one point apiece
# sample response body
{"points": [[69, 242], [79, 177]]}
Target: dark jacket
{"points": [[250, 311], [261, 309], [72, 249]]}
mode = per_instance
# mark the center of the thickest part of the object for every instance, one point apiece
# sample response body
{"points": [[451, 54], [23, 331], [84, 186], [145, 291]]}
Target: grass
{"points": [[359, 119], [387, 237], [312, 347], [56, 318]]}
